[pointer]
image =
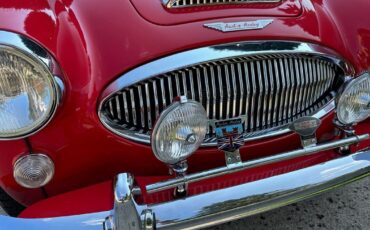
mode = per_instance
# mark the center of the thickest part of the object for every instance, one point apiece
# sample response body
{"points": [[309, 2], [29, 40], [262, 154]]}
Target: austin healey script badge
{"points": [[236, 26], [229, 134]]}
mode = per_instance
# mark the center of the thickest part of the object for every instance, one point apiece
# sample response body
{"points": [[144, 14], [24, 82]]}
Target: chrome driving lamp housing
{"points": [[353, 103], [178, 133]]}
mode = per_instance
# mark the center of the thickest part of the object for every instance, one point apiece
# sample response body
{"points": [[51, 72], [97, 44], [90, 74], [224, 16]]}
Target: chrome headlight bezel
{"points": [[28, 50], [346, 89]]}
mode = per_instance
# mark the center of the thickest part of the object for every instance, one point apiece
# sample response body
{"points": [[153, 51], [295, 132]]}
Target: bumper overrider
{"points": [[218, 206]]}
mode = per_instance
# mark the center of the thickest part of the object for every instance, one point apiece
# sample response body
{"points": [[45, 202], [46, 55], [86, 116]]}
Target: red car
{"points": [[178, 114]]}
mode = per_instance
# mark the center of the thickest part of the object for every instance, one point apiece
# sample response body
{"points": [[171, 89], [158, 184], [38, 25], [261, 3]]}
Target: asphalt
{"points": [[344, 208]]}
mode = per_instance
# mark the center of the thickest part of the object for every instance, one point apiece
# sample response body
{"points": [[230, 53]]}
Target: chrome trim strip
{"points": [[212, 53], [36, 52], [172, 183], [183, 3]]}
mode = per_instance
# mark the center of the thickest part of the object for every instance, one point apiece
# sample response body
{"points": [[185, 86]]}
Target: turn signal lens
{"points": [[33, 171], [179, 131], [354, 103]]}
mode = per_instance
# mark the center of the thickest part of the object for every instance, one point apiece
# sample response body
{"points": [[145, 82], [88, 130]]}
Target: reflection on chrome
{"points": [[182, 72], [29, 93], [214, 207]]}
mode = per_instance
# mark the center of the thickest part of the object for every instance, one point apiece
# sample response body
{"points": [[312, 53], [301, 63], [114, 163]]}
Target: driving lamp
{"points": [[33, 171], [353, 105], [28, 93], [179, 131]]}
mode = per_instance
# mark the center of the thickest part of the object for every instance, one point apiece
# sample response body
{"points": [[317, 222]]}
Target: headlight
{"points": [[28, 93], [179, 131], [353, 105]]}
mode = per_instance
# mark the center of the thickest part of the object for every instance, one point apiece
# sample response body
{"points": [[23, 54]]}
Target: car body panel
{"points": [[94, 42]]}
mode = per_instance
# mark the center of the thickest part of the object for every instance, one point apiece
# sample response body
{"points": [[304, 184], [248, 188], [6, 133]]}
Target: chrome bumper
{"points": [[209, 208]]}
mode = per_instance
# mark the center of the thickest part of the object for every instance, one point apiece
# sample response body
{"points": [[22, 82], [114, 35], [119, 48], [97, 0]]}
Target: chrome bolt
{"points": [[109, 223], [148, 220], [180, 191], [191, 138]]}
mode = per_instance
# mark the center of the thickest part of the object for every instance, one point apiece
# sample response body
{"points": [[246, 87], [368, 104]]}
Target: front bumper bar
{"points": [[209, 208]]}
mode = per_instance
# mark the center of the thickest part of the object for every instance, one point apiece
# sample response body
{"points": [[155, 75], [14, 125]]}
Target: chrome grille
{"points": [[188, 3], [270, 90]]}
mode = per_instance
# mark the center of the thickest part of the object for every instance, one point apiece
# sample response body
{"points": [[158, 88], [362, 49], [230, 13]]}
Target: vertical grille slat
{"points": [[248, 96], [318, 79], [163, 93], [228, 92], [272, 93], [170, 88], [133, 107], [254, 91], [287, 106], [177, 84], [260, 96], [149, 106], [221, 93], [307, 86], [110, 104], [233, 79], [192, 91], [282, 92], [268, 90], [214, 102], [142, 109], [124, 95], [327, 73], [199, 86], [184, 83], [241, 85], [277, 95], [297, 88], [292, 90], [310, 88], [323, 80], [155, 97], [303, 84], [265, 113], [118, 108], [208, 95]]}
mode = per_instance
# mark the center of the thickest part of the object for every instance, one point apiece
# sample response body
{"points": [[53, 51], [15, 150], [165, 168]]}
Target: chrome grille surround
{"points": [[275, 61], [191, 3]]}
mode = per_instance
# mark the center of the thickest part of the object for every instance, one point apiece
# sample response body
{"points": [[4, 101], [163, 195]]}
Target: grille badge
{"points": [[237, 26], [230, 134]]}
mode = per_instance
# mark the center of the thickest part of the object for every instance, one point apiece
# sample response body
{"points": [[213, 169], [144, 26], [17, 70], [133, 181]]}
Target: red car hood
{"points": [[155, 12]]}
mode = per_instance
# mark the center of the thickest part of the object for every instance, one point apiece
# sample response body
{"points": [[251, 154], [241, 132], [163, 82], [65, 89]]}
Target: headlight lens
{"points": [[27, 93], [354, 103], [34, 170], [179, 131]]}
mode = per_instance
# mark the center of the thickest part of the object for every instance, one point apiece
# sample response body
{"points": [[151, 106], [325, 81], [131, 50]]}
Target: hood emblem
{"points": [[237, 26]]}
